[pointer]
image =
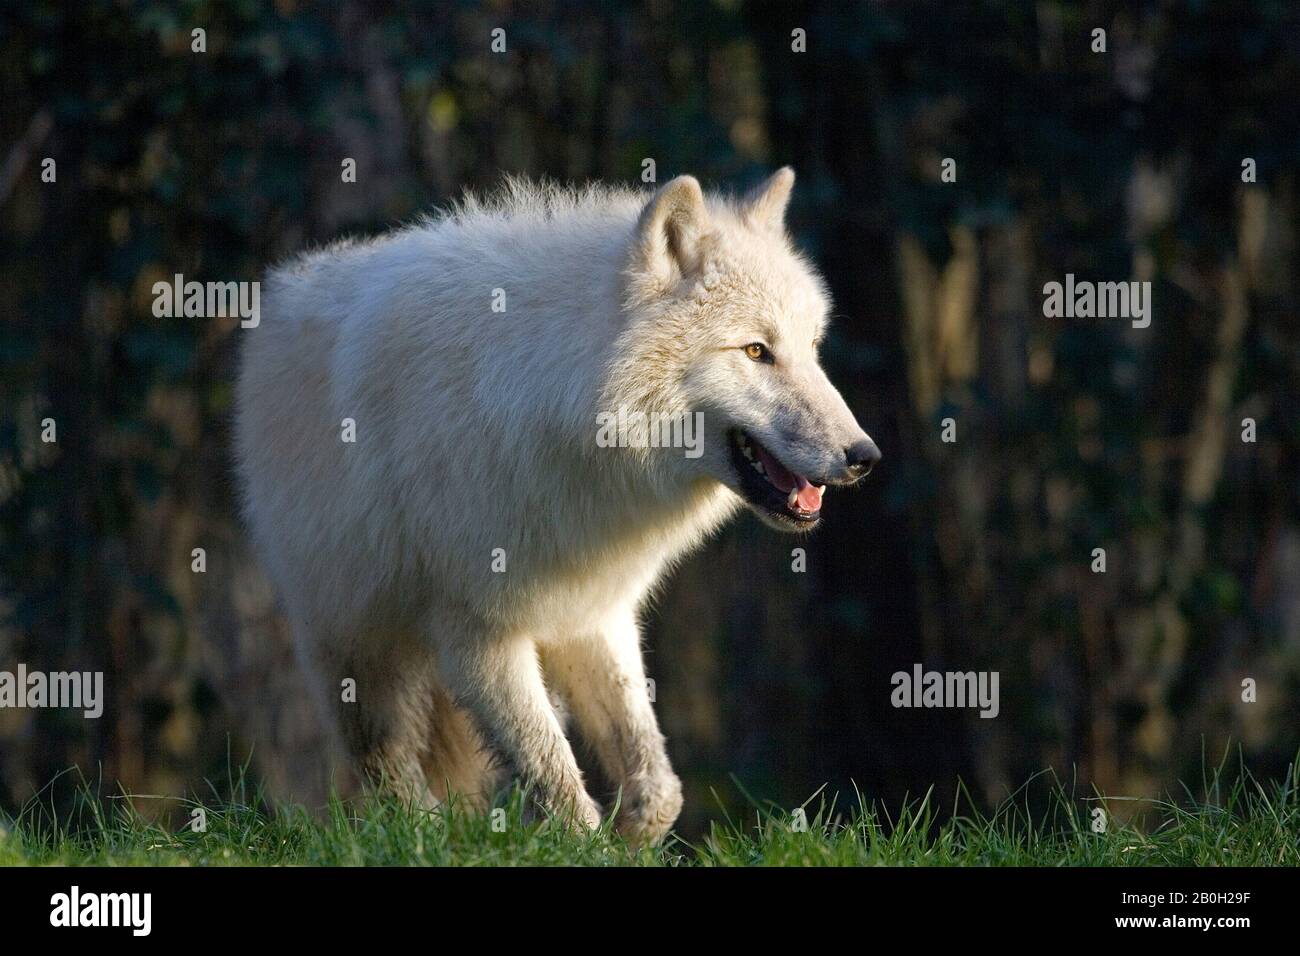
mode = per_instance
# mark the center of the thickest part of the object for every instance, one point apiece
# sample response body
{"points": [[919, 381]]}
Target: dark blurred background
{"points": [[1072, 434]]}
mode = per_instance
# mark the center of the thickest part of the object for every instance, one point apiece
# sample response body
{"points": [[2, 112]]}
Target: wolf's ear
{"points": [[765, 205], [672, 229]]}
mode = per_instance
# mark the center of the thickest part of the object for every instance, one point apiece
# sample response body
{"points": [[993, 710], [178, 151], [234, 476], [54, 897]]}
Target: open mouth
{"points": [[771, 487]]}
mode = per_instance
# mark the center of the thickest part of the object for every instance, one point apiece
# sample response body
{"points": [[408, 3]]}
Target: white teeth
{"points": [[821, 489], [794, 497], [748, 452], [758, 467]]}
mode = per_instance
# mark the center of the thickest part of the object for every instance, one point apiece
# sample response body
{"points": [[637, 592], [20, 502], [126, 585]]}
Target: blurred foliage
{"points": [[1072, 434]]}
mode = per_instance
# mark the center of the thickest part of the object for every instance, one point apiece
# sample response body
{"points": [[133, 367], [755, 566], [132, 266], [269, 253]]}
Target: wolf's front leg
{"points": [[500, 682], [603, 680]]}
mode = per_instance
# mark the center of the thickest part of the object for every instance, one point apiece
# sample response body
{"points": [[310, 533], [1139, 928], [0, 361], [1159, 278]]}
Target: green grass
{"points": [[1243, 823]]}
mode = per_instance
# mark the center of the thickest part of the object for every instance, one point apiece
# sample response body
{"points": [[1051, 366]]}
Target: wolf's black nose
{"points": [[861, 457]]}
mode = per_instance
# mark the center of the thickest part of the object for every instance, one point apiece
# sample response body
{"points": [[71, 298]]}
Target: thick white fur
{"points": [[475, 431]]}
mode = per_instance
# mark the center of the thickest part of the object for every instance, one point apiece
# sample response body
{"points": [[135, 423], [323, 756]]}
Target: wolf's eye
{"points": [[758, 352]]}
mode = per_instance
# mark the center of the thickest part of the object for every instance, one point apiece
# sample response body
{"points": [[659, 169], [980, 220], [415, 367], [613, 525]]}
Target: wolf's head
{"points": [[726, 322]]}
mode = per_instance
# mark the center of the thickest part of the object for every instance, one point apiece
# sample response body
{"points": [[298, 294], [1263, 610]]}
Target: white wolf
{"points": [[464, 549]]}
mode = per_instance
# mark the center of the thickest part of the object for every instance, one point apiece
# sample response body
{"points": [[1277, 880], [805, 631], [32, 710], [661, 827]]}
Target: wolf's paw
{"points": [[650, 807], [579, 814], [588, 815], [579, 817]]}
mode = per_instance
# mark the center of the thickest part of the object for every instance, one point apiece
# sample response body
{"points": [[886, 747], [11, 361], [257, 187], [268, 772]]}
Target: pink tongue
{"points": [[810, 498], [776, 472]]}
